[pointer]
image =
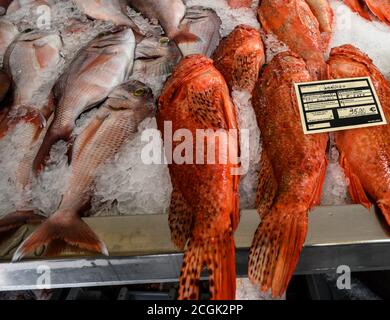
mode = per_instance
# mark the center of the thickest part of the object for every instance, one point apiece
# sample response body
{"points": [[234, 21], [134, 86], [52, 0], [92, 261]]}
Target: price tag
{"points": [[342, 104]]}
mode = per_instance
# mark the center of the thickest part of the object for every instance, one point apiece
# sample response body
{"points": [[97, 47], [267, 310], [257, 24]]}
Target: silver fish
{"points": [[169, 14], [101, 66], [205, 24], [115, 123]]}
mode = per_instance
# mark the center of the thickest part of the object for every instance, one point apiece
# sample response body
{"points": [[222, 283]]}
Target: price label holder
{"points": [[341, 104]]}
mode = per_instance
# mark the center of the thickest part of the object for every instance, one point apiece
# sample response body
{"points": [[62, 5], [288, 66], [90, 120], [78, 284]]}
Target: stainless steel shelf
{"points": [[142, 252]]}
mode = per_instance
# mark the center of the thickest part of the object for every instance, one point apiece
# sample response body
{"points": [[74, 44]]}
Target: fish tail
{"points": [[65, 227], [52, 136], [384, 207], [218, 255], [185, 36], [275, 250]]}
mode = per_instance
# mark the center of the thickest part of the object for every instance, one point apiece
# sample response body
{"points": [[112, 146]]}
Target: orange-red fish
{"points": [[294, 23], [204, 205], [101, 66], [115, 123], [365, 152], [293, 167], [239, 57]]}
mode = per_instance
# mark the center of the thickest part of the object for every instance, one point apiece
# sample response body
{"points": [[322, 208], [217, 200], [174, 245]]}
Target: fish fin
{"points": [[13, 221], [316, 200], [356, 189], [239, 3], [275, 250], [267, 187], [185, 35], [180, 220], [25, 114], [66, 226], [218, 255], [357, 6], [385, 209], [377, 11], [53, 135]]}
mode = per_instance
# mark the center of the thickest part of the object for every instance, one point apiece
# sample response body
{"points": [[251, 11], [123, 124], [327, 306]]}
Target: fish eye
{"points": [[139, 92], [164, 40]]}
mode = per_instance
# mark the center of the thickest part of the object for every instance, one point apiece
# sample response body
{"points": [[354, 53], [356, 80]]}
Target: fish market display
{"points": [[295, 24], [364, 152], [205, 24], [102, 65], [378, 8], [239, 58], [169, 13], [8, 33], [115, 123], [293, 167], [31, 61], [204, 204]]}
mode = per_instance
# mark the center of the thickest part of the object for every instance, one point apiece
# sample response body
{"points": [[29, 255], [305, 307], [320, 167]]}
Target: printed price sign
{"points": [[334, 105]]}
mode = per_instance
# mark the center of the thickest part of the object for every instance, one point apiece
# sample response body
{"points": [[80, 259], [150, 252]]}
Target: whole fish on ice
{"points": [[295, 24], [365, 152], [101, 66], [115, 123], [204, 204], [293, 168], [239, 57], [169, 14], [32, 61]]}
